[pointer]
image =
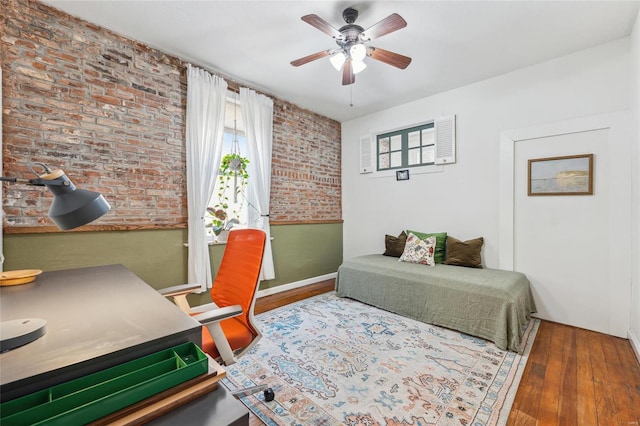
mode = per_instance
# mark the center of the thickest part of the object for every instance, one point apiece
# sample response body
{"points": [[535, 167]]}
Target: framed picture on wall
{"points": [[402, 175], [569, 175]]}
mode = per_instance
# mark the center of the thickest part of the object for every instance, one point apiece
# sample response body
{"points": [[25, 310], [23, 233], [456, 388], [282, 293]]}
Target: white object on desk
{"points": [[16, 333]]}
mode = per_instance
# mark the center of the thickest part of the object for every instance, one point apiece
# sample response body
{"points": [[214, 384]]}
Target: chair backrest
{"points": [[238, 277]]}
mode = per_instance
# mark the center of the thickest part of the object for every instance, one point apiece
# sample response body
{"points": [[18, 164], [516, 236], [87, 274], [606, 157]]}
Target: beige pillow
{"points": [[419, 251], [464, 253]]}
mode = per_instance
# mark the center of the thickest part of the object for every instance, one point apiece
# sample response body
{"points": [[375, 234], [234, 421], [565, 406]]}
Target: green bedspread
{"points": [[489, 303]]}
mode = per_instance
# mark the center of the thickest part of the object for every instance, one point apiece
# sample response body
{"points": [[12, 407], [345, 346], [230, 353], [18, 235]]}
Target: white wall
{"points": [[634, 333], [463, 199]]}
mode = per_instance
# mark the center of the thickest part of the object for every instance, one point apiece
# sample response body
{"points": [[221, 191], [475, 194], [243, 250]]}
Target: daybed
{"points": [[487, 303]]}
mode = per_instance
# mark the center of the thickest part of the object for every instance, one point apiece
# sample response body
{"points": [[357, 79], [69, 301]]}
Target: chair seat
{"points": [[236, 332]]}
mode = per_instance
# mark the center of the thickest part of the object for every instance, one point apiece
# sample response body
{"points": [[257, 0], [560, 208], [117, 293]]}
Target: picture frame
{"points": [[567, 175], [402, 175]]}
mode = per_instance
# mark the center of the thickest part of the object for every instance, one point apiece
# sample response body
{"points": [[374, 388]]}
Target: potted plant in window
{"points": [[233, 178], [221, 224], [233, 167]]}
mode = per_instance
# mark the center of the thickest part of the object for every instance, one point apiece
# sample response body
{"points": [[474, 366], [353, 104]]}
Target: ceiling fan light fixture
{"points": [[351, 39], [358, 52], [357, 66], [337, 60]]}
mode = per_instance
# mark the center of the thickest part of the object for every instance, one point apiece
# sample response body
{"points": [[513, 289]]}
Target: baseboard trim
{"points": [[635, 343], [294, 285]]}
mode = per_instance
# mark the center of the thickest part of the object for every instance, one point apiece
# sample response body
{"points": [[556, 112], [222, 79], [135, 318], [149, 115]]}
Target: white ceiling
{"points": [[452, 43]]}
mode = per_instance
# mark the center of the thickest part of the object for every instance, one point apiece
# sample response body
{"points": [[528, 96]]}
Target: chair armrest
{"points": [[204, 308], [218, 314], [177, 290], [179, 294]]}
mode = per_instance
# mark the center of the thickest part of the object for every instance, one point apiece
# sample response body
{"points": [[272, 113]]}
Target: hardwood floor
{"points": [[573, 376], [578, 377], [267, 303]]}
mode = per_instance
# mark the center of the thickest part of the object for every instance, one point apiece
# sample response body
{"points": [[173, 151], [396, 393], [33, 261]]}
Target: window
{"points": [[237, 205], [404, 148]]}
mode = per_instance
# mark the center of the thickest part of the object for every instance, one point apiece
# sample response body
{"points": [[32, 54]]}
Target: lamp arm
{"points": [[36, 181]]}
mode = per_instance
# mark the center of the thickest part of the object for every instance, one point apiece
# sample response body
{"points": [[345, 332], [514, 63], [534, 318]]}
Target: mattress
{"points": [[493, 304]]}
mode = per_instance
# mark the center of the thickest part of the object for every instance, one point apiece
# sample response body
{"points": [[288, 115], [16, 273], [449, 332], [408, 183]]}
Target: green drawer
{"points": [[88, 398]]}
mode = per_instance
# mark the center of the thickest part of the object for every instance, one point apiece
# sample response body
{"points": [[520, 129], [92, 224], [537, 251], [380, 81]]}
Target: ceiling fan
{"points": [[352, 40]]}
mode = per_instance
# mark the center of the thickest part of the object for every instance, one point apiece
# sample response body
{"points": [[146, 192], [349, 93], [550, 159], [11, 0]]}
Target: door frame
{"points": [[618, 247]]}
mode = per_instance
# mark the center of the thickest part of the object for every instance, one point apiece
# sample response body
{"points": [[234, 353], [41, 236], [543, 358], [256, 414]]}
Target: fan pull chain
{"points": [[235, 148], [351, 94]]}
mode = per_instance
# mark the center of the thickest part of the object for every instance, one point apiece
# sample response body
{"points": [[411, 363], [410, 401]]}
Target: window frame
{"points": [[405, 148]]}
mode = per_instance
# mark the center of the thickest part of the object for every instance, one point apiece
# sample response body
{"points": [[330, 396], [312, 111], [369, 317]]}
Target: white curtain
{"points": [[206, 101], [257, 116]]}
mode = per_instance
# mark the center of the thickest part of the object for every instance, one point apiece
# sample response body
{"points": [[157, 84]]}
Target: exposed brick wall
{"points": [[306, 172], [111, 112]]}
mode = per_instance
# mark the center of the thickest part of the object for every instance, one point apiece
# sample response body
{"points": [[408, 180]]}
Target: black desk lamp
{"points": [[70, 209]]}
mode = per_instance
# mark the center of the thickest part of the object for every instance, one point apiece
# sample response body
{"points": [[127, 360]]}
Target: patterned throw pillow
{"points": [[419, 251], [441, 243]]}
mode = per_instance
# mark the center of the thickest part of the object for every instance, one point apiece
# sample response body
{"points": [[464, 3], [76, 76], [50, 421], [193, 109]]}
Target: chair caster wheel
{"points": [[269, 395]]}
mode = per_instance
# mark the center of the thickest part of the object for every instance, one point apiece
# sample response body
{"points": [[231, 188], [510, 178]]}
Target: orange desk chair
{"points": [[228, 323]]}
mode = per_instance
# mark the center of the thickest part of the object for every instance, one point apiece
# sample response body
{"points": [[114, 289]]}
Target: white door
{"points": [[575, 249], [560, 242]]}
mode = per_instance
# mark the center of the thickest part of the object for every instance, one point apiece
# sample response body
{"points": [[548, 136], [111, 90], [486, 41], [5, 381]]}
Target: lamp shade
{"points": [[337, 60], [358, 52], [357, 66], [73, 207]]}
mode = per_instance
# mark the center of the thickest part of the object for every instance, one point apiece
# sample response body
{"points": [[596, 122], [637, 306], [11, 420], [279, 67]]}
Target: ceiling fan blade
{"points": [[310, 58], [321, 24], [388, 25], [395, 59], [348, 77]]}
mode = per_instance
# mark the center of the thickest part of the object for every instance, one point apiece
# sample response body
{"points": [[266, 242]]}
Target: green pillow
{"points": [[441, 243]]}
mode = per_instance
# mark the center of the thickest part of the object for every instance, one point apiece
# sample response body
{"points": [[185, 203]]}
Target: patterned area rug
{"points": [[334, 361]]}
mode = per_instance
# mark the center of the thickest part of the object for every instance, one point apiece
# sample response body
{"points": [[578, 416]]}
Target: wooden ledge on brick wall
{"points": [[305, 222], [7, 230], [87, 228]]}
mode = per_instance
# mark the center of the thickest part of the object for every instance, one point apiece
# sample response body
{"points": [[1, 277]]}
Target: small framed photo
{"points": [[402, 175], [570, 175]]}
